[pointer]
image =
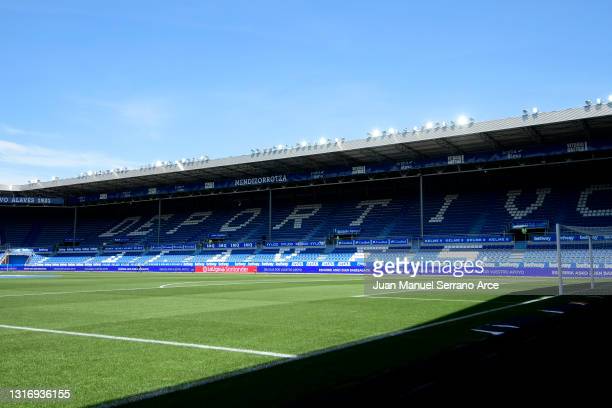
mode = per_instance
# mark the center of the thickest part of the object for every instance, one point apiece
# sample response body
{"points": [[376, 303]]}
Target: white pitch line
{"points": [[230, 283], [150, 341], [74, 292], [491, 332], [506, 326], [552, 311], [220, 283]]}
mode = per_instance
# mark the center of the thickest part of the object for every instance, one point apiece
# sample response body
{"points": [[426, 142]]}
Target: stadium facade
{"points": [[481, 190]]}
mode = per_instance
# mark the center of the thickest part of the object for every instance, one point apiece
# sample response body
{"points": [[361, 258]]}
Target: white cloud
{"points": [[144, 115], [37, 156], [14, 131]]}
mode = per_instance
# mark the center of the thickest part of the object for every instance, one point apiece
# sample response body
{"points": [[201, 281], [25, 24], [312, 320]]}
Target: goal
{"points": [[584, 258]]}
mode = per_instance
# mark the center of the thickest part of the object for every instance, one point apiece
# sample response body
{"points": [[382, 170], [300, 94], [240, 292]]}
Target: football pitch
{"points": [[105, 336]]}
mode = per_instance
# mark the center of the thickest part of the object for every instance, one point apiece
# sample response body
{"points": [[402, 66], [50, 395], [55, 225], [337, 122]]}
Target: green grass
{"points": [[281, 314]]}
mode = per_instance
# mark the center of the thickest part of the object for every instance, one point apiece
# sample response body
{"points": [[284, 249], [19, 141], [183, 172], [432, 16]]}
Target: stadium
{"points": [[209, 279]]}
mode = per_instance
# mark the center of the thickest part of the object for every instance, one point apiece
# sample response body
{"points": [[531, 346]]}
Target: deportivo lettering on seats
{"points": [[148, 226], [513, 209], [228, 227], [299, 214], [194, 219], [583, 200], [448, 200], [369, 206], [120, 228]]}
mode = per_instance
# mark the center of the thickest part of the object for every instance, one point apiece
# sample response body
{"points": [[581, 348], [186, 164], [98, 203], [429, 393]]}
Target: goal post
{"points": [[559, 265], [584, 254], [4, 259]]}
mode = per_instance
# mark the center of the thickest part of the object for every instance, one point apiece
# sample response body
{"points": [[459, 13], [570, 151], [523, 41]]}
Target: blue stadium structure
{"points": [[491, 191]]}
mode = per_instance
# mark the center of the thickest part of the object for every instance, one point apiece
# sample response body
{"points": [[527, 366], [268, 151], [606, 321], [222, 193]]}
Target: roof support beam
{"points": [[309, 160], [586, 128], [452, 146], [250, 169], [275, 166], [407, 148], [348, 160], [489, 139], [379, 155], [533, 133]]}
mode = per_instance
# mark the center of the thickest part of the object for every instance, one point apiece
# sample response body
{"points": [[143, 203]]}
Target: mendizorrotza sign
{"points": [[280, 178], [7, 200]]}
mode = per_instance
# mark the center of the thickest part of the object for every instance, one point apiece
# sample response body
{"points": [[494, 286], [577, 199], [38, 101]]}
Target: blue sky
{"points": [[91, 85]]}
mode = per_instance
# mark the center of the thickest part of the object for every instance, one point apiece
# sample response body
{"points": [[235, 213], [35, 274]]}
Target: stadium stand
{"points": [[494, 193], [455, 206]]}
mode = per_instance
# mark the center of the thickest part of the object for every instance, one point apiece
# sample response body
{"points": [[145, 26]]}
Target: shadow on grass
{"points": [[346, 373]]}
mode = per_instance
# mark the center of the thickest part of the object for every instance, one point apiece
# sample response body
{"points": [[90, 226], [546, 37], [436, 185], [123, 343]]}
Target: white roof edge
{"points": [[541, 118]]}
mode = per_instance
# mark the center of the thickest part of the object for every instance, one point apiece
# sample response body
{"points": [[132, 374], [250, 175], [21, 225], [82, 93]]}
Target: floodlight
{"points": [[322, 141], [159, 163], [429, 125], [375, 133], [535, 110], [598, 101], [463, 120], [610, 98], [392, 131], [415, 129]]}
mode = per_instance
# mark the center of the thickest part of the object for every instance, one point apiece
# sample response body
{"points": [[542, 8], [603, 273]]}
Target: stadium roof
{"points": [[440, 140]]}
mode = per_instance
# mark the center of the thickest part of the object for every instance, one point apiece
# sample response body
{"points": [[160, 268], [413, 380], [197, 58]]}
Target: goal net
{"points": [[14, 257], [583, 259]]}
